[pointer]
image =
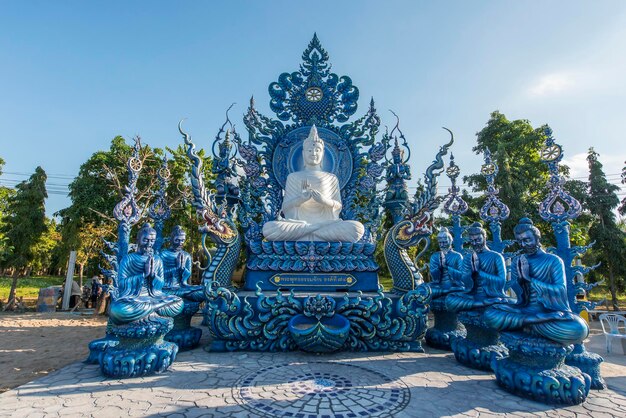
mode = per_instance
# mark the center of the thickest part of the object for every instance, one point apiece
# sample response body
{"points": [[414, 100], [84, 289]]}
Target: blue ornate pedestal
{"points": [[318, 323], [447, 326], [481, 346], [97, 347], [141, 349], [535, 369], [183, 334]]}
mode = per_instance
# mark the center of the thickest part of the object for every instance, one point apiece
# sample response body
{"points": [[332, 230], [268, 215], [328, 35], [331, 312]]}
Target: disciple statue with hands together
{"points": [[312, 203], [485, 269], [140, 281], [177, 268], [542, 306], [445, 267]]}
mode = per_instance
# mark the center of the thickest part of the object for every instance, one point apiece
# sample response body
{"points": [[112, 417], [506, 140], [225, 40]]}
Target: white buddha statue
{"points": [[312, 203]]}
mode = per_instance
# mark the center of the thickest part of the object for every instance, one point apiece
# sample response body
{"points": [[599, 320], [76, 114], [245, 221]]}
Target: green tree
{"points": [[622, 207], [44, 248], [515, 146], [610, 240], [5, 194], [25, 223], [100, 185]]}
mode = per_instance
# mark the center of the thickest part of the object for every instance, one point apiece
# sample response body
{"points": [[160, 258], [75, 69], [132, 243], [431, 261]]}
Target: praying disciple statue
{"points": [[177, 268], [542, 305], [445, 267], [312, 203], [485, 269], [140, 280]]}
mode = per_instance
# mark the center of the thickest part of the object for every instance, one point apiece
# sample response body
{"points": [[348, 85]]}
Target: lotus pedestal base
{"points": [[446, 326], [535, 369], [183, 334], [481, 344], [141, 350]]}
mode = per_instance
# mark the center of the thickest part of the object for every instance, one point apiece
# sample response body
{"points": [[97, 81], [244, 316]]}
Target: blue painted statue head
{"points": [[527, 235], [444, 239], [477, 236], [146, 237], [177, 238]]}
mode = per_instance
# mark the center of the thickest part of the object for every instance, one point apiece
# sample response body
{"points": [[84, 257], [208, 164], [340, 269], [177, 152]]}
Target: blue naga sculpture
{"points": [[558, 208], [539, 328], [218, 225], [280, 306], [414, 228], [484, 273]]}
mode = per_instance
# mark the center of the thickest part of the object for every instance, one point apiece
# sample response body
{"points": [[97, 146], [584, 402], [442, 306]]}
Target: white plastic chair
{"points": [[614, 327]]}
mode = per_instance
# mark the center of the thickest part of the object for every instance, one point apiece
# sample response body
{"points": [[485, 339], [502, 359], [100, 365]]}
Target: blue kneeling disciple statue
{"points": [[485, 270], [140, 284], [539, 330], [177, 268], [542, 306]]}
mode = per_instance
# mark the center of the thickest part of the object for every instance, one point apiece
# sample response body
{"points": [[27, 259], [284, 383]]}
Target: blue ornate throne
{"points": [[334, 299]]}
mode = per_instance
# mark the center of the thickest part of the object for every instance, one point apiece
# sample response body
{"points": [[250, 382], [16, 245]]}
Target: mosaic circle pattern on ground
{"points": [[320, 390]]}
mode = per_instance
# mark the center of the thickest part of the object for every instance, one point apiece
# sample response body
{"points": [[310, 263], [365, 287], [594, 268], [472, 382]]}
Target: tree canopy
{"points": [[610, 241]]}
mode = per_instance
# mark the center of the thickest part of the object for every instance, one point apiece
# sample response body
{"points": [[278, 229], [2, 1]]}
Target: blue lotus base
{"points": [[97, 347], [535, 369], [588, 363], [446, 326], [141, 350], [183, 334], [480, 346], [318, 323]]}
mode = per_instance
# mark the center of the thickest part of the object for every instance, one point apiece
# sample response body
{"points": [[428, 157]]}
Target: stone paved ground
{"points": [[300, 385], [294, 385]]}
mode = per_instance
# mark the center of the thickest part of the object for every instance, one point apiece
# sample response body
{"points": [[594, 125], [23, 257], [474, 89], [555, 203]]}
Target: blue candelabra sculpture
{"points": [[176, 268], [539, 329], [455, 206], [558, 208], [127, 214], [494, 211], [160, 211]]}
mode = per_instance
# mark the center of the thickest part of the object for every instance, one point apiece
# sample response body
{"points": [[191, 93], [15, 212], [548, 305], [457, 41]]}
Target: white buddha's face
{"points": [[313, 154]]}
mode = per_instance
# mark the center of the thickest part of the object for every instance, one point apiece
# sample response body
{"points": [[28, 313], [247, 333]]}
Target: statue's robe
{"points": [[542, 305], [448, 279], [485, 287], [312, 221], [139, 296], [177, 280]]}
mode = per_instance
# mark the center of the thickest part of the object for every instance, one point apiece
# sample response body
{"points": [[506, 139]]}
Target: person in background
{"points": [[96, 288], [75, 295]]}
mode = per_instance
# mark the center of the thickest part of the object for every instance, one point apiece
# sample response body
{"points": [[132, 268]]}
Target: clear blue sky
{"points": [[74, 74]]}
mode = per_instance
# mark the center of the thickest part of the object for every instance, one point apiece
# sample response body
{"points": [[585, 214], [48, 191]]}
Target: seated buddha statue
{"points": [[140, 280], [445, 267], [485, 269], [542, 306], [312, 203], [177, 268]]}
